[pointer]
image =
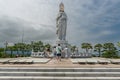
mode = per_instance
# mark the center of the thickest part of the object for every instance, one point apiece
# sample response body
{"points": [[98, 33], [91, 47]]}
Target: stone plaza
{"points": [[73, 61], [66, 69]]}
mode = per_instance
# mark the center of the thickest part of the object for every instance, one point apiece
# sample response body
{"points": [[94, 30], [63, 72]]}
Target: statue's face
{"points": [[62, 8]]}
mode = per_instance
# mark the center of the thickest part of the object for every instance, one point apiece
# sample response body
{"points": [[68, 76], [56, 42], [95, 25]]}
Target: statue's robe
{"points": [[61, 25]]}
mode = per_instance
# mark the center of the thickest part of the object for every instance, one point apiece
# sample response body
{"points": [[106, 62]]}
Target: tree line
{"points": [[107, 50], [23, 48]]}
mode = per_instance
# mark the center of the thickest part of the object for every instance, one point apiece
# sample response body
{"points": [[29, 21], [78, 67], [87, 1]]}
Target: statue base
{"points": [[64, 44]]}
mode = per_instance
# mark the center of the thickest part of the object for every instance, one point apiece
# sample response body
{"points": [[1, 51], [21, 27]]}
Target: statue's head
{"points": [[61, 7]]}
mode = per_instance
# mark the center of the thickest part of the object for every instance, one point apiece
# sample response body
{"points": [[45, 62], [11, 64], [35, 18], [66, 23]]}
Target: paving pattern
{"points": [[53, 69], [95, 61], [24, 60], [64, 63]]}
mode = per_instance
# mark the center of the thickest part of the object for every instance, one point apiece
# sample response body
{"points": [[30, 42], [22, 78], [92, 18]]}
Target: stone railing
{"points": [[37, 54], [81, 55]]}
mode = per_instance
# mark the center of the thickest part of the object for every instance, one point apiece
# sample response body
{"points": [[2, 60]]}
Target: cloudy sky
{"points": [[94, 21]]}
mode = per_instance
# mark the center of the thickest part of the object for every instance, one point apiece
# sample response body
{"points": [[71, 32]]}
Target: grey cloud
{"points": [[88, 20], [12, 30]]}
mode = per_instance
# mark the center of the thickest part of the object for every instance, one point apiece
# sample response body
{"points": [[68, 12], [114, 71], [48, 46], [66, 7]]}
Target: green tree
{"points": [[98, 48], [109, 46], [20, 47], [2, 52], [37, 46], [118, 44], [41, 46], [11, 49], [47, 46], [1, 49], [110, 51], [73, 48], [86, 46]]}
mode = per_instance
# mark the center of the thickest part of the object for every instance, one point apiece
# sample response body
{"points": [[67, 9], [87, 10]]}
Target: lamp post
{"points": [[6, 43]]}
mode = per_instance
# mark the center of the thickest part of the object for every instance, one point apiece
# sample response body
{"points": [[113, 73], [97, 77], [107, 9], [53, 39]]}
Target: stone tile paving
{"points": [[3, 60], [40, 60], [20, 60], [95, 60], [64, 63]]}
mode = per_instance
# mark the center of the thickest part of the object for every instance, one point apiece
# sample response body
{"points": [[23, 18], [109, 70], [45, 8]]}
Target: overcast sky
{"points": [[94, 21]]}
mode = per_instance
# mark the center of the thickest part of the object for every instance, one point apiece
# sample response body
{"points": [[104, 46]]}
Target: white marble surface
{"points": [[35, 60]]}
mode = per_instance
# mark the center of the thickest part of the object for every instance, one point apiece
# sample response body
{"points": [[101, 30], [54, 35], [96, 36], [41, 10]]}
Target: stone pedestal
{"points": [[63, 44]]}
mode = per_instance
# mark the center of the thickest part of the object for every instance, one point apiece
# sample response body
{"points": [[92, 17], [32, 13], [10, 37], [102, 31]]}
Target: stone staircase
{"points": [[29, 73]]}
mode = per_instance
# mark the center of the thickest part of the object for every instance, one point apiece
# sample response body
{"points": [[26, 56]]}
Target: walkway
{"points": [[53, 63]]}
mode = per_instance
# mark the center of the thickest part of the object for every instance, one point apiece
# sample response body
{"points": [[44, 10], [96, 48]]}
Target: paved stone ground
{"points": [[64, 63], [87, 60], [24, 60]]}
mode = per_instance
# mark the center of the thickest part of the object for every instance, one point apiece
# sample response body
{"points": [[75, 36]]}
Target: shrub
{"points": [[110, 54]]}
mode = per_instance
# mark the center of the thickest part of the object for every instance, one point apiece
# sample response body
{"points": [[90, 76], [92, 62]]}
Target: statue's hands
{"points": [[57, 32]]}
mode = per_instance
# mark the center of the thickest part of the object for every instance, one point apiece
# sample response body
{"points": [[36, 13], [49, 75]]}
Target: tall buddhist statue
{"points": [[61, 23]]}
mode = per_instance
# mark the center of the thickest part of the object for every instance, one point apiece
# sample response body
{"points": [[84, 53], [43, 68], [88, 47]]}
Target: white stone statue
{"points": [[61, 23]]}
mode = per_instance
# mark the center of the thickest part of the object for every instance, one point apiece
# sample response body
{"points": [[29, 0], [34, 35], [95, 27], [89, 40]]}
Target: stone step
{"points": [[57, 78], [36, 73], [29, 69], [63, 74]]}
